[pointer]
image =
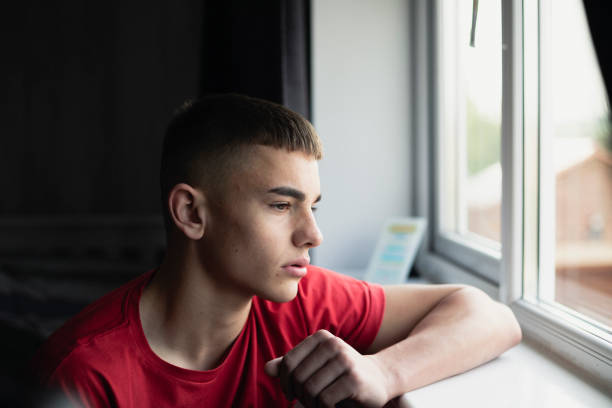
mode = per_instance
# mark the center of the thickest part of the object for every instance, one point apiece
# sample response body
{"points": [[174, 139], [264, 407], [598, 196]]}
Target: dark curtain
{"points": [[88, 89], [258, 48], [599, 13]]}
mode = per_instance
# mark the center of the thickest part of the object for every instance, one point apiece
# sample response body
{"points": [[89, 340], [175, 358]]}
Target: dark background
{"points": [[89, 88], [87, 91]]}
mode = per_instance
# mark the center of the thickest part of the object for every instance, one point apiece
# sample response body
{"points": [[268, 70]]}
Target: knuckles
{"points": [[346, 361], [322, 334], [333, 344]]}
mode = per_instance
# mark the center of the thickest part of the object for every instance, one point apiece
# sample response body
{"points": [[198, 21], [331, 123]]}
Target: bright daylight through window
{"points": [[567, 157], [469, 122], [575, 160]]}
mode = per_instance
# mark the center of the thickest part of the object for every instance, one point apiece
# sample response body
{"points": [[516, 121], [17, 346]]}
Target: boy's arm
{"points": [[428, 332]]}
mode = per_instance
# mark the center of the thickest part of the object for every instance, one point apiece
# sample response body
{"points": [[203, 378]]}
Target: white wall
{"points": [[361, 109]]}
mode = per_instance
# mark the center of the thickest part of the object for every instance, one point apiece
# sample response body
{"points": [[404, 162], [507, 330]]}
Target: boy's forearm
{"points": [[464, 329], [444, 342]]}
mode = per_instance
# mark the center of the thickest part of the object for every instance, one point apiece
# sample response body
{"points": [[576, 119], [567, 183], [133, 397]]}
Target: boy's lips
{"points": [[301, 262], [297, 267]]}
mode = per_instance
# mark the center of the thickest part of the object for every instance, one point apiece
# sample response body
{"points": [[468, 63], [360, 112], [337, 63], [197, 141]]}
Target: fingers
{"points": [[339, 393], [313, 387], [297, 355], [324, 371], [272, 367], [319, 368], [320, 371]]}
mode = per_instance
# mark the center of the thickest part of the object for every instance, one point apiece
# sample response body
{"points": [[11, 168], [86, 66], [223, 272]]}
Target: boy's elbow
{"points": [[513, 329], [500, 316]]}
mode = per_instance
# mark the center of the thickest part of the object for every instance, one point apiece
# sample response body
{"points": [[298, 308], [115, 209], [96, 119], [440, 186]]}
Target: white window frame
{"points": [[446, 260], [463, 250]]}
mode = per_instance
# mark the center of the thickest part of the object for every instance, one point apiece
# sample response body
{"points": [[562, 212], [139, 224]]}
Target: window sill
{"points": [[584, 357], [525, 376], [528, 375]]}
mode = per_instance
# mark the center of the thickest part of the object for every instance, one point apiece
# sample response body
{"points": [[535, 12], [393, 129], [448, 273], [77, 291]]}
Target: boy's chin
{"points": [[285, 294]]}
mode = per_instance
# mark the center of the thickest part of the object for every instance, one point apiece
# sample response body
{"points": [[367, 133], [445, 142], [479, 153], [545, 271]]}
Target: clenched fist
{"points": [[323, 371]]}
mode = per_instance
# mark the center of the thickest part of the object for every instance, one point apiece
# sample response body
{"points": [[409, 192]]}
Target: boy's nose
{"points": [[308, 234]]}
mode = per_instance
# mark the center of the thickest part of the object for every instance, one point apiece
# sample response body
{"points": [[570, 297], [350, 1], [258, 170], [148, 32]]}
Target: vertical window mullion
{"points": [[547, 236], [460, 170], [530, 149], [511, 279]]}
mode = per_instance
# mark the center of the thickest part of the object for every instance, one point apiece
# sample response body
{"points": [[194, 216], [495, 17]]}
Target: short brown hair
{"points": [[203, 134]]}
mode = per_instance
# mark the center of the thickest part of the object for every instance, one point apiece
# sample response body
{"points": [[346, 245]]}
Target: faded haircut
{"points": [[205, 135]]}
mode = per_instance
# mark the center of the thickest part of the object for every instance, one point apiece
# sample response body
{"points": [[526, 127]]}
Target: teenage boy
{"points": [[235, 315]]}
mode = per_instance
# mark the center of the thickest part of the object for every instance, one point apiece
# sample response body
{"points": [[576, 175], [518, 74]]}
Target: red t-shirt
{"points": [[101, 356]]}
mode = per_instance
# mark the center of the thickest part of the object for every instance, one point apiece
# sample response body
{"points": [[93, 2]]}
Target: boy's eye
{"points": [[313, 209], [280, 206]]}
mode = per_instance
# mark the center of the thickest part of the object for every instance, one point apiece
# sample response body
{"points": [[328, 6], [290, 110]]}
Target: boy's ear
{"points": [[187, 209]]}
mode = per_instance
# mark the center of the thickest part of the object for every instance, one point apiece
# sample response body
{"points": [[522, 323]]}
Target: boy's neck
{"points": [[186, 320]]}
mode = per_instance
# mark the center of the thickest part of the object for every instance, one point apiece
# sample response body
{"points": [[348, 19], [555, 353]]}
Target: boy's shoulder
{"points": [[105, 315]]}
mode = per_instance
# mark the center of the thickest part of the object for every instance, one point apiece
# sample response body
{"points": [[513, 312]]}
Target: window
{"points": [[469, 86], [569, 162], [521, 165]]}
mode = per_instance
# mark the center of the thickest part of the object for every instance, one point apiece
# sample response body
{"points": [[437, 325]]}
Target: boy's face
{"points": [[259, 230]]}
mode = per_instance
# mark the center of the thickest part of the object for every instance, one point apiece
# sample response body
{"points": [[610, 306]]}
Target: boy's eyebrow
{"points": [[291, 192]]}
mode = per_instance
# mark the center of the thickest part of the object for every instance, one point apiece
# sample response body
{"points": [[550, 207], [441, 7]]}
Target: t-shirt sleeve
{"points": [[80, 384], [350, 309]]}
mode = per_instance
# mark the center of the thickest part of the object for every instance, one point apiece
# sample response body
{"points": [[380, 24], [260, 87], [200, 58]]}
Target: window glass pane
{"points": [[469, 122], [576, 166]]}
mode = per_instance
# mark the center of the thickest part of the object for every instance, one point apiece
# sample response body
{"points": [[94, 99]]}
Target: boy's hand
{"points": [[323, 370]]}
